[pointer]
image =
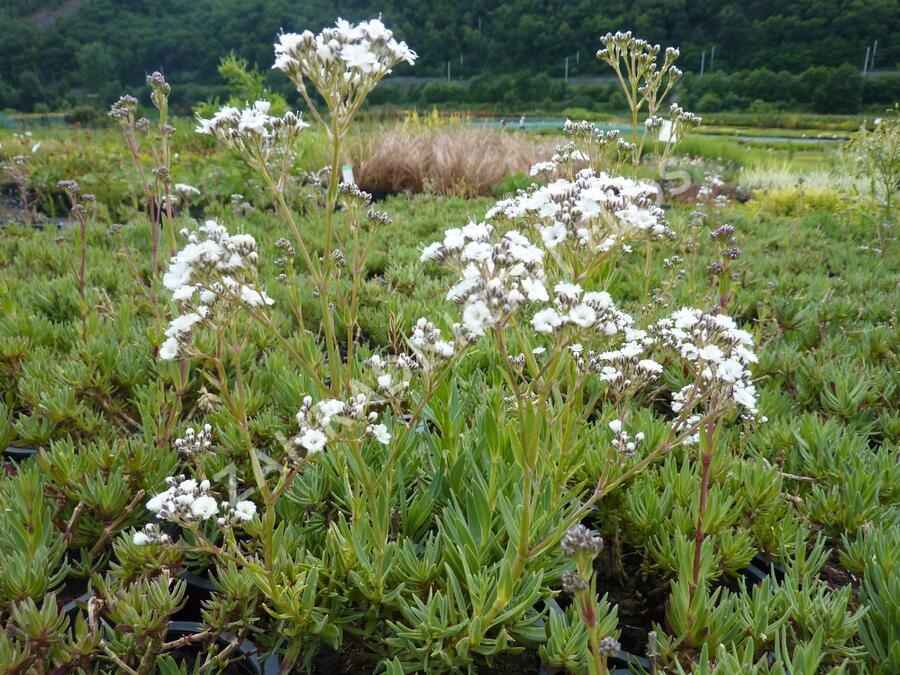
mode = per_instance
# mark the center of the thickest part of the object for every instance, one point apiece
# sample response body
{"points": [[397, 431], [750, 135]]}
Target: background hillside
{"points": [[54, 51]]}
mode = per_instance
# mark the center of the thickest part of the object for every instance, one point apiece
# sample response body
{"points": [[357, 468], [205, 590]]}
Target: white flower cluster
{"points": [[593, 210], [343, 62], [241, 512], [711, 192], [622, 440], [186, 190], [593, 310], [252, 130], [151, 534], [393, 373], [626, 369], [588, 145], [496, 278], [317, 421], [427, 343], [220, 265], [193, 442], [185, 500], [719, 352], [639, 56]]}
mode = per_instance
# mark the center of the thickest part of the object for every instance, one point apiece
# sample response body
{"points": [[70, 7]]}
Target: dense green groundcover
{"points": [[807, 500]]}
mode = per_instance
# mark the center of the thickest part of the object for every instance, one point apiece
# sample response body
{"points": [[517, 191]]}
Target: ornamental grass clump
{"points": [[461, 161]]}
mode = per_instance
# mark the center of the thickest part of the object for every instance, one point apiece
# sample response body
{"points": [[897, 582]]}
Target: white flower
{"points": [[546, 320], [189, 485], [686, 317], [359, 56], [331, 407], [711, 353], [185, 189], [140, 539], [156, 503], [745, 395], [380, 433], [245, 510], [583, 316], [730, 370], [476, 316], [535, 289], [454, 239], [431, 251], [650, 366], [313, 440], [616, 426], [443, 349], [204, 507], [477, 251], [385, 381], [553, 235], [169, 349], [567, 291]]}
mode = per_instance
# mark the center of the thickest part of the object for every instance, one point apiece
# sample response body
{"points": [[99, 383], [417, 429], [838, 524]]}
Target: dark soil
{"points": [[834, 573], [352, 660], [641, 599]]}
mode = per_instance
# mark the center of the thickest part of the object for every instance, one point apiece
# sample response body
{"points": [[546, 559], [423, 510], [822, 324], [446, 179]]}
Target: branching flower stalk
{"points": [[645, 82], [159, 95], [875, 156], [17, 169], [343, 64], [79, 210], [582, 546]]}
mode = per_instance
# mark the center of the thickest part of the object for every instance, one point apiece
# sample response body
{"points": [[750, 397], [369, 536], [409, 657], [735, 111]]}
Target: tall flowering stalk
{"points": [[79, 211], [157, 187], [646, 82], [344, 64]]}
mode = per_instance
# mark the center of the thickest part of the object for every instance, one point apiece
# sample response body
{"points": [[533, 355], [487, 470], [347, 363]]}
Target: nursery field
{"points": [[635, 409]]}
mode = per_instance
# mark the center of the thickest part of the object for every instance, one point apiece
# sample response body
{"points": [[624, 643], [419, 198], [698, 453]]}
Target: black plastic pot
{"points": [[249, 664], [199, 588], [78, 603], [18, 454], [618, 664], [769, 566]]}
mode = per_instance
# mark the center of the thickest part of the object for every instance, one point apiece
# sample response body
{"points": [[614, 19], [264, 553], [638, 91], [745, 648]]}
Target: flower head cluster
{"points": [[579, 539], [124, 109], [640, 59], [210, 268], [622, 440], [594, 310], [710, 192], [151, 534], [593, 211], [719, 352], [343, 62], [587, 146], [496, 278], [253, 132], [330, 419], [195, 443], [185, 500], [241, 512], [428, 345], [627, 368]]}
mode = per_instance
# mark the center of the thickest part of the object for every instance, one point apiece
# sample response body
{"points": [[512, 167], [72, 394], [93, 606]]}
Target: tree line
{"points": [[55, 53]]}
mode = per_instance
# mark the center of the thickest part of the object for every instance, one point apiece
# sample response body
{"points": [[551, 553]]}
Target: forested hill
{"points": [[50, 47]]}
